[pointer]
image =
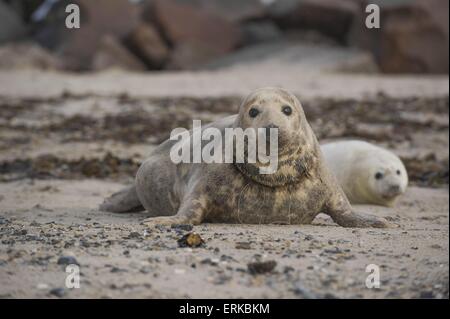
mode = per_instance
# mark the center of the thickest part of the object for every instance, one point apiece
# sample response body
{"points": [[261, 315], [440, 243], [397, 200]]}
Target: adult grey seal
{"points": [[192, 193], [367, 173]]}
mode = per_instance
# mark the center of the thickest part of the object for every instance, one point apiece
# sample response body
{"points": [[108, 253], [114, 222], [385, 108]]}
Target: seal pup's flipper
{"points": [[124, 201]]}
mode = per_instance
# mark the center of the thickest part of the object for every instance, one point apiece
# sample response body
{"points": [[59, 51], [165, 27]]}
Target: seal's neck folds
{"points": [[291, 169]]}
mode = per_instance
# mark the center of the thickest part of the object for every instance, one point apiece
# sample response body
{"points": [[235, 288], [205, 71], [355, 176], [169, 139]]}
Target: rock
{"points": [[134, 234], [117, 270], [426, 294], [148, 45], [190, 55], [300, 290], [209, 261], [261, 267], [12, 27], [67, 260], [49, 29], [179, 271], [221, 279], [25, 9], [333, 18], [98, 18], [330, 295], [42, 286], [243, 245], [335, 250], [303, 57], [232, 10], [28, 56], [413, 38], [196, 34], [281, 8], [58, 292], [184, 227], [191, 240], [112, 54], [260, 31]]}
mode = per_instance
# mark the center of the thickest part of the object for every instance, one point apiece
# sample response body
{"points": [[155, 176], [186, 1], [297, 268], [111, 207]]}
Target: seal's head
{"points": [[274, 108], [386, 178]]}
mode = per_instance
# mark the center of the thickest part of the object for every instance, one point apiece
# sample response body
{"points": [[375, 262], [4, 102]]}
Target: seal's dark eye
{"points": [[398, 172], [253, 112], [379, 175], [287, 110]]}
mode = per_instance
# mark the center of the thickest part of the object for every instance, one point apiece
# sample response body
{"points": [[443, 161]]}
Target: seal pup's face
{"points": [[268, 108], [387, 181]]}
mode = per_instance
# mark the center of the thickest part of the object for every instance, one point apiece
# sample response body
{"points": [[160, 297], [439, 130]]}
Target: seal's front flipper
{"points": [[124, 201], [191, 211], [353, 219], [192, 216], [340, 210]]}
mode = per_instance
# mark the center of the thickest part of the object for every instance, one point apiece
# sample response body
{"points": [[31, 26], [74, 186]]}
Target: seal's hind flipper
{"points": [[124, 201]]}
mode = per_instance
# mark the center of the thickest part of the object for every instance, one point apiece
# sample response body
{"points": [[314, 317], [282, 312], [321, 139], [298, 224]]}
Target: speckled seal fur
{"points": [[193, 193]]}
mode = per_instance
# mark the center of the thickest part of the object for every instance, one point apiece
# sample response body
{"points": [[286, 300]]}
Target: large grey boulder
{"points": [[12, 27]]}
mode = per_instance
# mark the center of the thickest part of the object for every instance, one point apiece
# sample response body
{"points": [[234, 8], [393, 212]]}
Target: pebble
{"points": [[117, 269], [134, 234], [42, 286], [261, 267], [67, 260], [191, 240], [180, 271], [58, 292], [185, 227], [335, 250], [426, 294], [209, 261], [243, 245], [299, 290]]}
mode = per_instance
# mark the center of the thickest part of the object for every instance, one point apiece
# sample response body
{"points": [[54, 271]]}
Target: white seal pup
{"points": [[367, 173]]}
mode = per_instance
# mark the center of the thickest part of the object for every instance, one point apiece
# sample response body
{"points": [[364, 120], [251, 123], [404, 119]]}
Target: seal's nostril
{"points": [[394, 188]]}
